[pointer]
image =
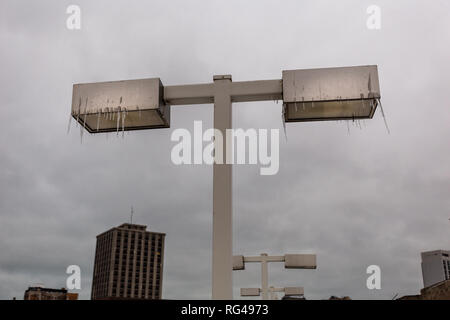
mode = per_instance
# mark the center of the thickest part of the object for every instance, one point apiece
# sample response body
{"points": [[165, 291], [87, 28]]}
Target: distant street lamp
{"points": [[347, 93], [291, 261], [288, 291]]}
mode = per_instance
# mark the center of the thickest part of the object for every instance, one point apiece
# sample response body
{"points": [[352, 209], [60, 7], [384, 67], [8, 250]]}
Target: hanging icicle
{"points": [[98, 120], [118, 122], [283, 118], [384, 117], [70, 123], [124, 114]]}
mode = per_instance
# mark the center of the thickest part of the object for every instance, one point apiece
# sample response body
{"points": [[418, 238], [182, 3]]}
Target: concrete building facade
{"points": [[128, 263], [435, 267]]}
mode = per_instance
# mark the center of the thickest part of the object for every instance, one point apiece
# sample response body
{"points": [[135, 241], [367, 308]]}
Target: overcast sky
{"points": [[355, 199]]}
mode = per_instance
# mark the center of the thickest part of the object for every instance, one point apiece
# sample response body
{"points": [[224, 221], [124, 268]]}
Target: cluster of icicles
{"points": [[118, 115], [121, 113], [356, 122]]}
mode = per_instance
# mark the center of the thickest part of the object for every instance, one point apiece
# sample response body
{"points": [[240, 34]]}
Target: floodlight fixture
{"points": [[250, 292], [294, 291], [300, 261], [348, 93], [120, 105], [238, 263]]}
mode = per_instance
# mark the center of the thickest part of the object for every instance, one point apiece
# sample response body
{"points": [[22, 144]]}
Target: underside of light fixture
{"points": [[348, 93], [120, 105]]}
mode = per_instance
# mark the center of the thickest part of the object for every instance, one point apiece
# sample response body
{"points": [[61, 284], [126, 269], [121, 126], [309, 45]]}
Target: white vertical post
{"points": [[222, 264]]}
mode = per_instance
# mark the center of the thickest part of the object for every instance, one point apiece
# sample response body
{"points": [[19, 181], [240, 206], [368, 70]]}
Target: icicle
{"points": [[85, 114], [98, 120], [123, 122], [384, 117], [79, 110], [70, 123], [118, 119], [361, 107], [81, 134], [283, 121]]}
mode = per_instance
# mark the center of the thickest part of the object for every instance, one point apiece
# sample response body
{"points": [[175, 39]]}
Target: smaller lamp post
{"points": [[288, 291], [291, 261]]}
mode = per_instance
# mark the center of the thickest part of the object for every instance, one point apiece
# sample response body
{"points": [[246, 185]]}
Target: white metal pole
{"points": [[264, 277], [222, 264], [273, 295]]}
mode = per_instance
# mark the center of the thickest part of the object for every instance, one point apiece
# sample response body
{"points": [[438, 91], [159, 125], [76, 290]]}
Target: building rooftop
{"points": [[445, 253], [62, 290], [130, 226]]}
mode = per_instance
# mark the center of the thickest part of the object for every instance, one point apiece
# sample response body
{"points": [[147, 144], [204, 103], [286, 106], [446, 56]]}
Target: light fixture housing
{"points": [[250, 292], [238, 263], [294, 291], [120, 105], [300, 261], [347, 93]]}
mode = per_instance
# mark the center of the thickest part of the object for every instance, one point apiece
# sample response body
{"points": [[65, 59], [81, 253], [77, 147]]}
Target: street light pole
{"points": [[348, 93], [291, 261], [222, 259]]}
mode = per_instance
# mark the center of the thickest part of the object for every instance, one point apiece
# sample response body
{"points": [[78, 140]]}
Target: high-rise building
{"points": [[435, 267], [41, 293], [128, 263]]}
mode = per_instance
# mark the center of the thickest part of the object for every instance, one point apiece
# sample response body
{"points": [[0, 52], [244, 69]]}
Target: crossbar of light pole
{"points": [[292, 261], [273, 289], [297, 261], [241, 91], [264, 258]]}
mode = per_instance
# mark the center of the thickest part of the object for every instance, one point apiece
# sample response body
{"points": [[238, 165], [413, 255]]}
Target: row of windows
{"points": [[134, 253], [138, 235], [148, 285], [130, 277], [446, 264], [136, 294], [138, 249], [103, 254]]}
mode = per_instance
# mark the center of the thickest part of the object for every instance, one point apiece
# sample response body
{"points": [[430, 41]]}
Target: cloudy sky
{"points": [[355, 199]]}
